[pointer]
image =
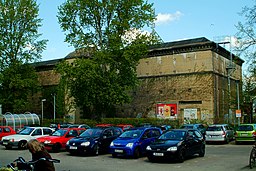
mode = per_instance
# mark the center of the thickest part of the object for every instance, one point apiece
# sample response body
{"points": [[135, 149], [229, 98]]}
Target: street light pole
{"points": [[54, 107], [43, 100]]}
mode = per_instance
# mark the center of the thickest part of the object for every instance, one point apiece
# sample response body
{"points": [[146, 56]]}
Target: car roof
{"points": [[144, 128], [218, 125]]}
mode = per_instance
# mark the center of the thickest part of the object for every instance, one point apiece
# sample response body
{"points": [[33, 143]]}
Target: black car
{"points": [[93, 141], [177, 144]]}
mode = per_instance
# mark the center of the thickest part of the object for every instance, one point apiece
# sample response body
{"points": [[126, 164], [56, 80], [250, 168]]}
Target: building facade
{"points": [[184, 80]]}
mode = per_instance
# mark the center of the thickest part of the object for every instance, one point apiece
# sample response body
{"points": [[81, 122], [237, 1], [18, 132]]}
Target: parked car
{"points": [[6, 130], [177, 144], [79, 126], [219, 133], [245, 133], [165, 128], [104, 125], [93, 141], [133, 142], [20, 140], [58, 139], [125, 127], [198, 126]]}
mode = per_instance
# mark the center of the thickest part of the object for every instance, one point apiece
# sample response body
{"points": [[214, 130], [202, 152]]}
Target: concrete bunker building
{"points": [[184, 80]]}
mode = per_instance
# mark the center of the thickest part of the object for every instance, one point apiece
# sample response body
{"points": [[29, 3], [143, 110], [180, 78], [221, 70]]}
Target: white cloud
{"points": [[166, 18]]}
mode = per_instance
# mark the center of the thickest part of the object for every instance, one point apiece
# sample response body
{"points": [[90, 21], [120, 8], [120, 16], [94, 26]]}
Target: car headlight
{"points": [[111, 144], [172, 149], [129, 145], [47, 142], [87, 143], [148, 148], [67, 143]]}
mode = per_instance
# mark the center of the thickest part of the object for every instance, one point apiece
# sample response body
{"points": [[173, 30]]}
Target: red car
{"points": [[125, 126], [104, 125], [58, 139], [6, 130]]}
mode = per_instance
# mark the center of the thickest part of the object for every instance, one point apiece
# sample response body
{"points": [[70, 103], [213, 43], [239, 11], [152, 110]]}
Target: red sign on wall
{"points": [[166, 110]]}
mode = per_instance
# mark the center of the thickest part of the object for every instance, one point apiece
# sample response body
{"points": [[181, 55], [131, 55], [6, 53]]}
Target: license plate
{"points": [[5, 143], [72, 148], [244, 134], [119, 151], [158, 154]]}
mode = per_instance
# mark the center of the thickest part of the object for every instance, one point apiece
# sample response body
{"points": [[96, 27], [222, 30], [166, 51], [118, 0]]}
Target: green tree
{"points": [[108, 41], [19, 45]]}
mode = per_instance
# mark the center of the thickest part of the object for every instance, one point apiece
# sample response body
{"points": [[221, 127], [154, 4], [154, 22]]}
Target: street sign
{"points": [[238, 114]]}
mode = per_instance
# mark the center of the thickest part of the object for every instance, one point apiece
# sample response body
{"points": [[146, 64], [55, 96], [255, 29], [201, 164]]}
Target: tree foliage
{"points": [[107, 37], [247, 35], [19, 45]]}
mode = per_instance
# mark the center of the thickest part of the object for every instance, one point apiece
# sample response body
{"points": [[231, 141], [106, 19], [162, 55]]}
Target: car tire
{"points": [[56, 148], [22, 145], [136, 153], [151, 159], [114, 155], [202, 151], [181, 156], [96, 150], [8, 147]]}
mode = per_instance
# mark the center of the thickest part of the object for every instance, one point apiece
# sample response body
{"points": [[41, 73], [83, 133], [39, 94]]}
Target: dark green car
{"points": [[245, 133]]}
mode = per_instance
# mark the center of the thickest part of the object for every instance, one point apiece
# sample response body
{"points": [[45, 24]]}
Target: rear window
{"points": [[214, 128], [245, 128]]}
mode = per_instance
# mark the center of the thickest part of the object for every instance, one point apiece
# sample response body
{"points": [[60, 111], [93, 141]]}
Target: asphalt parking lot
{"points": [[218, 157]]}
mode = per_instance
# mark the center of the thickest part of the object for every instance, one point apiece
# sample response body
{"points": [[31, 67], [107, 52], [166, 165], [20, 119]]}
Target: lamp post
{"points": [[43, 100], [54, 107]]}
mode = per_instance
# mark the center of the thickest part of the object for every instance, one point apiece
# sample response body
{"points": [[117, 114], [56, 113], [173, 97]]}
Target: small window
{"points": [[117, 132], [197, 134], [108, 133], [37, 132], [155, 133], [47, 131], [7, 129], [73, 133]]}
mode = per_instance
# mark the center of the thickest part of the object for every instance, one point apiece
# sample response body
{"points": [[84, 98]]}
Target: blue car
{"points": [[133, 142], [93, 141]]}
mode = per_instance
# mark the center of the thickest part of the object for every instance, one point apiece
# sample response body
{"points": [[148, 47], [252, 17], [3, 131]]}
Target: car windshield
{"points": [[186, 127], [245, 128], [173, 135], [92, 133], [59, 132], [131, 134], [214, 128], [26, 131]]}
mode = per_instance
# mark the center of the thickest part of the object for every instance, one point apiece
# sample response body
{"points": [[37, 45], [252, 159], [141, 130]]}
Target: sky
{"points": [[176, 20]]}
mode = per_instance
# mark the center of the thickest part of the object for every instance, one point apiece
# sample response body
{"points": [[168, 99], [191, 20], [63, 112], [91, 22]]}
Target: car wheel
{"points": [[181, 156], [227, 140], [56, 148], [114, 155], [96, 150], [22, 145], [202, 151], [8, 147], [151, 159], [136, 153]]}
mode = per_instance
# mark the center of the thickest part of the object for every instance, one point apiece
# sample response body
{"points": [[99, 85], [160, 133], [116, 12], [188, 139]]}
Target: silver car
{"points": [[219, 133]]}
